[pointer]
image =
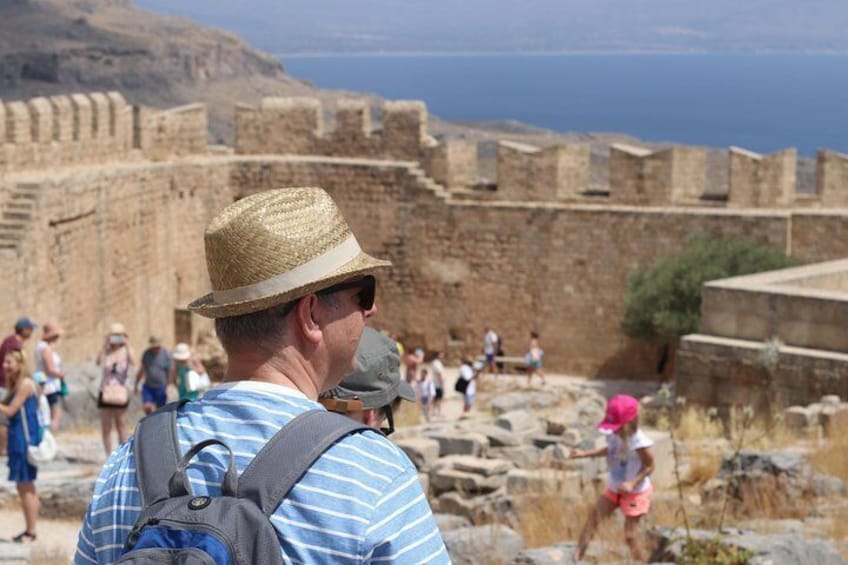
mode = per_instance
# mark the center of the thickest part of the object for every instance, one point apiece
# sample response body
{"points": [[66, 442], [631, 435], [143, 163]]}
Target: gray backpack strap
{"points": [[289, 454], [157, 452]]}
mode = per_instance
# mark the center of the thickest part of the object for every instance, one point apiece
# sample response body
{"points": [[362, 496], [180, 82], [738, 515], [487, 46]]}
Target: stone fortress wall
{"points": [[117, 234]]}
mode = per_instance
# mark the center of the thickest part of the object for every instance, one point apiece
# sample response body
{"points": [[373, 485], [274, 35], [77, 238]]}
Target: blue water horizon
{"points": [[763, 102]]}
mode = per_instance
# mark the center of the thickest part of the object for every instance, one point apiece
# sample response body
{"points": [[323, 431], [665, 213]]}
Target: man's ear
{"points": [[307, 313]]}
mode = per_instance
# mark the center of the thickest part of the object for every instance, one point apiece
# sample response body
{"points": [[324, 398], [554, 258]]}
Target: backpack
{"points": [[176, 527], [461, 385]]}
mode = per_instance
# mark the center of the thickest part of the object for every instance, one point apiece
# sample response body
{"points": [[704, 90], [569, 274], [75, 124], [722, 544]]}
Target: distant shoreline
{"points": [[594, 52]]}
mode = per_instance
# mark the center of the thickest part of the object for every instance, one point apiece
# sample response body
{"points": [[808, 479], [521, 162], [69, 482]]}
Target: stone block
{"points": [[544, 441], [446, 479], [559, 554], [519, 421], [458, 443], [498, 436], [830, 400], [424, 479], [525, 456], [798, 418], [543, 481], [483, 545], [485, 467], [834, 420], [448, 522], [422, 452], [556, 424]]}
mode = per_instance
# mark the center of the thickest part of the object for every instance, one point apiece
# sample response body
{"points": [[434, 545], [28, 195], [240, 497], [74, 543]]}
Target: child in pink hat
{"points": [[630, 462]]}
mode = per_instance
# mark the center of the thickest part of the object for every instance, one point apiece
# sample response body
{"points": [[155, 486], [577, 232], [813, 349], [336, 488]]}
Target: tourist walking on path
{"points": [[291, 293], [437, 367], [630, 462], [117, 359], [15, 342], [373, 393], [48, 365], [184, 363], [490, 349], [466, 383], [533, 359], [413, 364], [21, 408], [154, 373], [425, 390]]}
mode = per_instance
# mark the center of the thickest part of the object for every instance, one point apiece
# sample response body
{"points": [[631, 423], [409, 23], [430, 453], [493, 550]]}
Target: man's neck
{"points": [[287, 369]]}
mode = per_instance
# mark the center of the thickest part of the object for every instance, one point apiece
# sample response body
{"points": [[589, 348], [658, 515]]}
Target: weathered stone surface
{"points": [[523, 400], [798, 418], [483, 545], [830, 400], [559, 554], [423, 452], [526, 456], [15, 553], [485, 467], [557, 424], [519, 421], [459, 443], [834, 419], [544, 441], [478, 508], [557, 457], [541, 481], [445, 479], [775, 549], [424, 479], [498, 436], [448, 522]]}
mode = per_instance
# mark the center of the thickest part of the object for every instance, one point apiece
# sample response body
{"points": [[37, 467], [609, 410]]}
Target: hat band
{"points": [[301, 275]]}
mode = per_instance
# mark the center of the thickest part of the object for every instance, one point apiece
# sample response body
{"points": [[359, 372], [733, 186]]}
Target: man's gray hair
{"points": [[262, 327]]}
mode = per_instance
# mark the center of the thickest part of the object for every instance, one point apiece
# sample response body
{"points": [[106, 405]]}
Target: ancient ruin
{"points": [[104, 206]]}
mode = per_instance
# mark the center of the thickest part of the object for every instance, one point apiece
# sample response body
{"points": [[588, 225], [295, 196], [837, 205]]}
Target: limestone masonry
{"points": [[104, 206]]}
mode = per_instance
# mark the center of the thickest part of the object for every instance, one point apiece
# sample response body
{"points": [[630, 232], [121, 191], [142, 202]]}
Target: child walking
{"points": [[630, 462]]}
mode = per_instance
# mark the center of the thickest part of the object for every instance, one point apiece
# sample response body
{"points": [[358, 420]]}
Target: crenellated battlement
{"points": [[91, 128], [101, 127], [296, 126]]}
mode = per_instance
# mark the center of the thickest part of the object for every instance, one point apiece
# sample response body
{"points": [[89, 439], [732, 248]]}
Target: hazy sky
{"points": [[522, 25]]}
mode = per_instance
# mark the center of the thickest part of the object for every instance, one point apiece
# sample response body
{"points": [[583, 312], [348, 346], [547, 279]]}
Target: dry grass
{"points": [[408, 414], [704, 465], [832, 458]]}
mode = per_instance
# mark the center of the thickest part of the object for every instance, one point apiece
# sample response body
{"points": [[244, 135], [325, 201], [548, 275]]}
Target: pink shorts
{"points": [[632, 504]]}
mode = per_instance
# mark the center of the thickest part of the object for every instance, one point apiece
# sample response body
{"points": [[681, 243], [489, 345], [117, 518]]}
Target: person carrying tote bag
{"points": [[117, 359]]}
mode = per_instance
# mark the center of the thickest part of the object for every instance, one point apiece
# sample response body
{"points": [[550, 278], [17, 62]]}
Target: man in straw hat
{"points": [[291, 292], [372, 393]]}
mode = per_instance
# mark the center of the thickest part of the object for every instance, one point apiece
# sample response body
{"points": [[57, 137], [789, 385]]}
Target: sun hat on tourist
{"points": [[275, 246], [377, 381], [117, 329], [182, 352], [51, 330], [621, 409], [154, 341]]}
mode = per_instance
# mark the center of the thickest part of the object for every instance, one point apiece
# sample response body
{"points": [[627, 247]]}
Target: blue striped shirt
{"points": [[360, 503]]}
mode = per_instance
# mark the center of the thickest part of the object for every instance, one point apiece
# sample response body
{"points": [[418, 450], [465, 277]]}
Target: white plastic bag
{"points": [[197, 381]]}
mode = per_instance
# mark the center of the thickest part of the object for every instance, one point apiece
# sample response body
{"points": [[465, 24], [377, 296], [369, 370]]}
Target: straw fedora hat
{"points": [[275, 246]]}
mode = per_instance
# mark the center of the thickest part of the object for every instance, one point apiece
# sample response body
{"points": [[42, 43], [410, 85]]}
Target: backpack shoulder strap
{"points": [[157, 452], [290, 453]]}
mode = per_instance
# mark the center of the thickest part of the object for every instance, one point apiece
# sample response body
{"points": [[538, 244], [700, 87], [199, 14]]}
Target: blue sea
{"points": [[762, 102]]}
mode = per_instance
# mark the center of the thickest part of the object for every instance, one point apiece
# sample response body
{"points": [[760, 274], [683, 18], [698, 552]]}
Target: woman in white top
{"points": [[48, 363]]}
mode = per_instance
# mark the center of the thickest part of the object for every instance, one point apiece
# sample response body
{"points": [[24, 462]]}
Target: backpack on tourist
{"points": [[235, 528]]}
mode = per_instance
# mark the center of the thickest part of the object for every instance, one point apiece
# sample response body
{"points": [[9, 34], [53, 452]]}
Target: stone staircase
{"points": [[17, 212]]}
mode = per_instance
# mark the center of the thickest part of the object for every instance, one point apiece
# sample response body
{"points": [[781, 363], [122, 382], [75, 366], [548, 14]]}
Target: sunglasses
{"points": [[366, 294]]}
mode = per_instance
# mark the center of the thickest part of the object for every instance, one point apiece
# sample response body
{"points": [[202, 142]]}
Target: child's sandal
{"points": [[24, 537]]}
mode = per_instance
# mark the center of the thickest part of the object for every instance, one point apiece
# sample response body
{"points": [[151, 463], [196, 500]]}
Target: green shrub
{"points": [[664, 300]]}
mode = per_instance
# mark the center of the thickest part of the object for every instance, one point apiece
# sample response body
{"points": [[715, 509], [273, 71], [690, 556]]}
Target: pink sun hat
{"points": [[621, 409]]}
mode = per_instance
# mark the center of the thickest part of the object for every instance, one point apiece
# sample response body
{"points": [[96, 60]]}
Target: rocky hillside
{"points": [[58, 46]]}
